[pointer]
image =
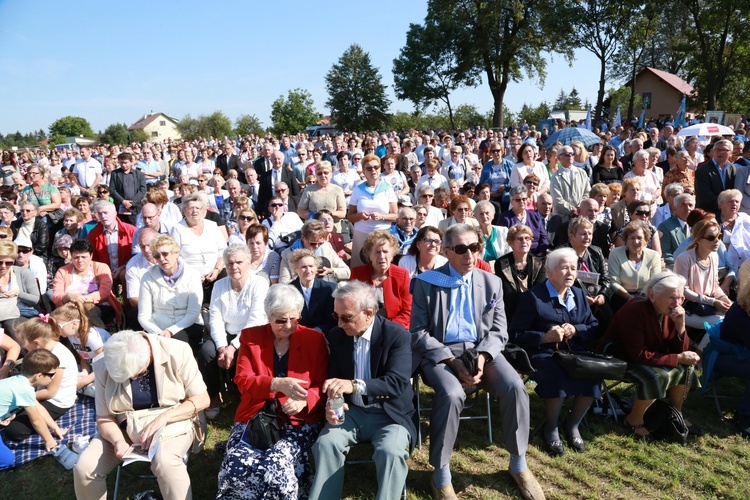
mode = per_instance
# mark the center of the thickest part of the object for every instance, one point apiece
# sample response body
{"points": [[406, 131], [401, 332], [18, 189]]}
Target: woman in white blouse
{"points": [[528, 165]]}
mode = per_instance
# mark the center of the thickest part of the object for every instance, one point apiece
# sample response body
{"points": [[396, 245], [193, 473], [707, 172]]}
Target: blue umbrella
{"points": [[570, 134]]}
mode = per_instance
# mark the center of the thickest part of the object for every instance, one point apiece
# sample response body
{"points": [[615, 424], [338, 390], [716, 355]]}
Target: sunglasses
{"points": [[462, 249], [370, 169], [344, 318], [50, 375], [568, 154], [430, 241], [497, 150], [7, 263], [642, 212], [161, 255], [24, 250], [284, 321], [530, 183], [3, 236], [712, 237], [427, 196], [275, 205], [246, 217]]}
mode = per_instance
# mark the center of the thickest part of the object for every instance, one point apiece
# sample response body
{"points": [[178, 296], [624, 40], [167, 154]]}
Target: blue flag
{"points": [[642, 119], [679, 118], [618, 120], [588, 118]]}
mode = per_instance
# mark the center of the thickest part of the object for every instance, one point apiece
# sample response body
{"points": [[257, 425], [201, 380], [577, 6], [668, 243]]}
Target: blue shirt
{"points": [[461, 326], [570, 301]]}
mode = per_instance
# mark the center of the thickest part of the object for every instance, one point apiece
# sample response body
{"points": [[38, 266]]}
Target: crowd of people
{"points": [[310, 269]]}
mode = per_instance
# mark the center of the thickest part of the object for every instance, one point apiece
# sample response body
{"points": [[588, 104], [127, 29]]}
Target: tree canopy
{"points": [[248, 125], [217, 124], [294, 113], [69, 126], [356, 95], [117, 133]]}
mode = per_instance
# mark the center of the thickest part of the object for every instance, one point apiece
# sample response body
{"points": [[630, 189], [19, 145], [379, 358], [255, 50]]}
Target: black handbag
{"points": [[587, 364], [266, 427], [699, 309]]}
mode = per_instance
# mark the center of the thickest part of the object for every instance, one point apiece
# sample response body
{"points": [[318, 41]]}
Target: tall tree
{"points": [[69, 126], [248, 125], [217, 125], [432, 64], [117, 133], [295, 113], [356, 95], [574, 100], [562, 101], [597, 27], [505, 38]]}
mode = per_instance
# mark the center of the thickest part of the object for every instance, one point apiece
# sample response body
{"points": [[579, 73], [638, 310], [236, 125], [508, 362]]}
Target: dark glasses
{"points": [[275, 205], [284, 321], [7, 263], [161, 255], [370, 169], [246, 217], [530, 183], [568, 154], [462, 249], [24, 250], [712, 237], [344, 318], [642, 212], [50, 375]]}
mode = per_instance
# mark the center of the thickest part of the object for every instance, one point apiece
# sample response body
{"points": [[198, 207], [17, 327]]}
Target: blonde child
{"points": [[60, 395], [87, 340]]}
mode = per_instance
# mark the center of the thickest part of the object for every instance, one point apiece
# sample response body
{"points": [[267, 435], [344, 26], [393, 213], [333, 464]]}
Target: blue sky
{"points": [[111, 61]]}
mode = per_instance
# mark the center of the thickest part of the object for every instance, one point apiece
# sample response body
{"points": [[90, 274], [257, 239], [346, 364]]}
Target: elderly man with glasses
{"points": [[569, 186]]}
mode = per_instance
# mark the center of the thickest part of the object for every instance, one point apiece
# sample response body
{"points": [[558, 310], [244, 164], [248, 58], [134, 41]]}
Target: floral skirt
{"points": [[281, 472]]}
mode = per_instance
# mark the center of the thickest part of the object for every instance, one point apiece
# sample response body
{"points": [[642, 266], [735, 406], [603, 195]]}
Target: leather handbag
{"points": [[266, 427], [591, 365]]}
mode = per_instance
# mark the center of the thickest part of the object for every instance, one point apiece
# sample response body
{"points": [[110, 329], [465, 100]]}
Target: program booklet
{"points": [[137, 454]]}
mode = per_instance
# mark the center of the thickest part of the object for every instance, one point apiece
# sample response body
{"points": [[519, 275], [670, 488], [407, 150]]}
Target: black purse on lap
{"points": [[266, 427]]}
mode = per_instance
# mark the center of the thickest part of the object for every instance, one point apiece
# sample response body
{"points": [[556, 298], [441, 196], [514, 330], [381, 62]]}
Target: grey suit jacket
{"points": [[670, 236], [429, 317]]}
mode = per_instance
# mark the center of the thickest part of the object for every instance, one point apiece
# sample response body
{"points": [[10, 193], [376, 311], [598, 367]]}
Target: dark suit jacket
{"points": [[708, 185], [390, 363], [291, 204], [319, 314], [226, 165], [395, 291], [260, 165], [117, 188], [39, 236], [536, 223], [308, 360], [265, 181], [600, 238]]}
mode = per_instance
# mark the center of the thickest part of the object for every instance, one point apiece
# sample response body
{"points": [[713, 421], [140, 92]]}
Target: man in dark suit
{"points": [[588, 208], [369, 363], [714, 176], [268, 181], [456, 308], [263, 163], [127, 187], [318, 310], [229, 161]]}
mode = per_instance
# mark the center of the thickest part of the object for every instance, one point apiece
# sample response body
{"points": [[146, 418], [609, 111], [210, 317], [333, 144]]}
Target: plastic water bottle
{"points": [[337, 405]]}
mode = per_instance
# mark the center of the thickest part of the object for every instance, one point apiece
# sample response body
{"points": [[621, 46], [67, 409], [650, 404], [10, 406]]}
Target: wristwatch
{"points": [[10, 363], [356, 386]]}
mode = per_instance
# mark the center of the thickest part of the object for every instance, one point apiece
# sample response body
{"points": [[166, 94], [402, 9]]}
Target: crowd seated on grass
{"points": [[404, 259]]}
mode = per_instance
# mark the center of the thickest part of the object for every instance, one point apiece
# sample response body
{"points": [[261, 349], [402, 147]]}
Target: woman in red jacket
{"points": [[288, 362], [390, 281]]}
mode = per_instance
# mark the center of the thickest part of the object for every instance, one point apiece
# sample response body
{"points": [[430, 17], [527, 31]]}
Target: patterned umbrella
{"points": [[570, 134]]}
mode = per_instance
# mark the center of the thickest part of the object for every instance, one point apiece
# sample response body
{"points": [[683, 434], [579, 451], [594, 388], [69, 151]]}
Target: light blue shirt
{"points": [[461, 326], [362, 370], [570, 301]]}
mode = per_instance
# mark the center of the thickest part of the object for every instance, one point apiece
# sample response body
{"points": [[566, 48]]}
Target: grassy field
{"points": [[614, 466]]}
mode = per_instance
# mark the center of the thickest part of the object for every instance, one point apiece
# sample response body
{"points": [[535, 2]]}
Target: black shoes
{"points": [[555, 448]]}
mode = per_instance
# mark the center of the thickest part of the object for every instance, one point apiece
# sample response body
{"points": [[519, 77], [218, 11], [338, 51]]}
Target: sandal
{"points": [[636, 428]]}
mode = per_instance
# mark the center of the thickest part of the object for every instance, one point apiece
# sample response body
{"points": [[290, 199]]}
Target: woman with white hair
{"points": [[286, 362], [549, 316], [650, 185], [126, 382], [650, 336]]}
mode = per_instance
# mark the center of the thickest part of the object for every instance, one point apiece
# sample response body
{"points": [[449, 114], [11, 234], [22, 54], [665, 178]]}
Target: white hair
{"points": [[125, 353], [363, 294], [664, 281], [554, 257], [282, 299]]}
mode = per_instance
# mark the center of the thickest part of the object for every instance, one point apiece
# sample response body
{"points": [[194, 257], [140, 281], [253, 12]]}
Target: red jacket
{"points": [[308, 360], [125, 234], [395, 291]]}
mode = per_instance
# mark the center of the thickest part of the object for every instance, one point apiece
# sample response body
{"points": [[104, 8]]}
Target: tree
{"points": [[356, 96], [189, 127], [117, 133], [217, 124], [562, 101], [574, 100], [248, 125], [139, 135], [621, 97], [533, 115], [505, 38], [295, 113], [465, 116], [432, 64], [597, 26], [69, 126]]}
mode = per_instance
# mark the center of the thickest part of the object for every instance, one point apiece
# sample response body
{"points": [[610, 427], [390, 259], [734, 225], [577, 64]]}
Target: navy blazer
{"points": [[319, 314], [537, 312], [708, 185], [390, 362], [536, 223]]}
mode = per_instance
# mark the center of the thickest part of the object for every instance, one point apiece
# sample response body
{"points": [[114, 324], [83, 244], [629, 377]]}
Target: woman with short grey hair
{"points": [[287, 362], [126, 381]]}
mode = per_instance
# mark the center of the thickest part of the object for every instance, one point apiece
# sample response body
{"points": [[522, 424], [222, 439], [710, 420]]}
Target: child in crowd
{"points": [[38, 369], [87, 339], [60, 395]]}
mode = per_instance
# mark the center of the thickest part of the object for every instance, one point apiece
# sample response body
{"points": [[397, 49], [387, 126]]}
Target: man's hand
{"points": [[127, 204], [211, 276], [331, 415], [226, 356], [462, 373], [334, 386]]}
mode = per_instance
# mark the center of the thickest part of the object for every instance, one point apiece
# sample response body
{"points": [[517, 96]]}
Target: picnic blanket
{"points": [[80, 420]]}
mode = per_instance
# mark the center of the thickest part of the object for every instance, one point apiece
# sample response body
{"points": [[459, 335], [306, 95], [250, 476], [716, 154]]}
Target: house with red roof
{"points": [[661, 92], [158, 126]]}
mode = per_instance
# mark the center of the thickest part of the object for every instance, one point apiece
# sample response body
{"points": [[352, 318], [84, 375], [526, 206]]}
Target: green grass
{"points": [[614, 466]]}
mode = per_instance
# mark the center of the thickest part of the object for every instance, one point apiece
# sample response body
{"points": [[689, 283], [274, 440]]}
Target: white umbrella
{"points": [[705, 129]]}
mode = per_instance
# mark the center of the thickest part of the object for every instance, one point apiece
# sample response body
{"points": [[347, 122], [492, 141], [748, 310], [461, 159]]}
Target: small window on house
{"points": [[163, 123], [647, 100], [154, 134]]}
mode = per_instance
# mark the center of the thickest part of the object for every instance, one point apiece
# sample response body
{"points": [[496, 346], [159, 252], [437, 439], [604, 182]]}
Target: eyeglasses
{"points": [[24, 250], [462, 249], [282, 190], [496, 150], [7, 263], [430, 241], [568, 154], [275, 205], [50, 375], [246, 217], [3, 236], [532, 183], [33, 173], [344, 318], [161, 255], [421, 214], [522, 238], [463, 209], [427, 196], [642, 212], [371, 168], [27, 210], [408, 219], [712, 237], [284, 321], [325, 172], [315, 244], [519, 200]]}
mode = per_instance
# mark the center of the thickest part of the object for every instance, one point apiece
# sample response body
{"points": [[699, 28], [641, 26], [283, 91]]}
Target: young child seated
{"points": [[60, 395], [18, 392], [87, 340], [12, 351]]}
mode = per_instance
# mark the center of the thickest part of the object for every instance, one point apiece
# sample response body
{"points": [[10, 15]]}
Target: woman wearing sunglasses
{"points": [[705, 301], [19, 288], [287, 362], [424, 252], [372, 206], [640, 211], [518, 214], [322, 194]]}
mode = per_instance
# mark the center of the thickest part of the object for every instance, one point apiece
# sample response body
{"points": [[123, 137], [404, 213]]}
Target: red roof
{"points": [[147, 119], [672, 80]]}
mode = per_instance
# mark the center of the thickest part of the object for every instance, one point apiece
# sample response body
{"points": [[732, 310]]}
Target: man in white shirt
{"points": [[135, 270], [88, 172], [432, 178]]}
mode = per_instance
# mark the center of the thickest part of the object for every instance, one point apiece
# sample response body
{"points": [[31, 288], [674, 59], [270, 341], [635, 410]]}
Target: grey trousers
{"points": [[391, 443], [504, 385]]}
